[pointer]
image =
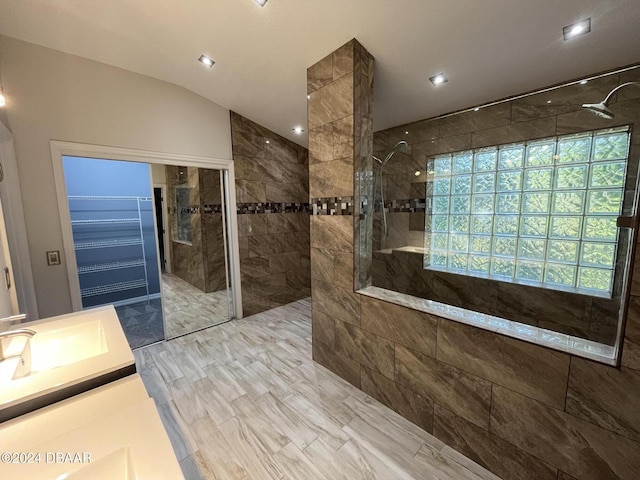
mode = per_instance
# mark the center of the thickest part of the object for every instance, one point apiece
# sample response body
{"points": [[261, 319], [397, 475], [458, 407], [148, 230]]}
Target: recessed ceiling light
{"points": [[206, 61], [417, 174], [308, 97], [261, 2], [267, 141], [548, 101], [583, 82], [438, 79], [298, 130], [576, 29], [406, 133]]}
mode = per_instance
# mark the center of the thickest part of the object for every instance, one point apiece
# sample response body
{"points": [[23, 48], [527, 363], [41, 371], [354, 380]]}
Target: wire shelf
{"points": [[104, 220], [108, 243], [103, 267], [89, 197], [113, 288]]}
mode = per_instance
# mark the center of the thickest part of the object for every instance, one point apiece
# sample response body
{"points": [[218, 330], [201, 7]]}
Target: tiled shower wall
{"points": [[521, 410], [272, 192], [543, 115], [202, 263]]}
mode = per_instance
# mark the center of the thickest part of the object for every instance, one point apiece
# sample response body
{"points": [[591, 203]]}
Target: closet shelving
{"points": [[109, 240]]}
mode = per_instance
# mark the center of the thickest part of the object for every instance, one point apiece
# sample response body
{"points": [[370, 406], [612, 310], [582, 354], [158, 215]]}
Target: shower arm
{"points": [[606, 100]]}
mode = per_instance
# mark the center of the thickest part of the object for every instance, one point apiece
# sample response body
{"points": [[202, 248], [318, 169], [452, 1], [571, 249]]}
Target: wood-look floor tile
{"points": [[216, 453], [296, 465], [189, 405], [215, 404], [408, 436], [249, 450], [290, 422], [323, 425], [245, 401], [266, 430], [224, 381]]}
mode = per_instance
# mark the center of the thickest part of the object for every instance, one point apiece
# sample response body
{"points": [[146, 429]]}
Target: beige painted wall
{"points": [[55, 96]]}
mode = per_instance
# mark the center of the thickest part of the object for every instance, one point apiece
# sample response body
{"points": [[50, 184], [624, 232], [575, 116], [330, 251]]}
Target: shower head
{"points": [[602, 109], [398, 147]]}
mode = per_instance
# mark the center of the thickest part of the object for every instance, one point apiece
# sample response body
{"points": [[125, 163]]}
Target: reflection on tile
{"points": [[556, 341], [529, 369], [579, 448], [408, 327], [334, 232], [631, 348], [336, 302], [606, 397], [332, 102], [407, 403], [487, 449], [365, 348], [517, 132], [469, 396]]}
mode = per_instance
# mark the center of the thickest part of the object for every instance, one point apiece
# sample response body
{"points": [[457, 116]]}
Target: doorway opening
{"points": [[165, 255]]}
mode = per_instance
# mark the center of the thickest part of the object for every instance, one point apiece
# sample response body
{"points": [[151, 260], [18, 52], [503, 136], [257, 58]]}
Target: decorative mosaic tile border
{"points": [[411, 205], [271, 207], [332, 206], [195, 209]]}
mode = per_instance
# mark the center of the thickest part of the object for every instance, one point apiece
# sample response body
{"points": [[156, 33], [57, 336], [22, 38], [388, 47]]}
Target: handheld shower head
{"points": [[398, 147], [602, 109]]}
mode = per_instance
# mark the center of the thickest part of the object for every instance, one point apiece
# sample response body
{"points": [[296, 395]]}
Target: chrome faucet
{"points": [[20, 332]]}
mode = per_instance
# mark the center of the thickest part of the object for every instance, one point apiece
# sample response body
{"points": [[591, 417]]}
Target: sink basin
{"points": [[114, 430], [67, 355], [118, 464]]}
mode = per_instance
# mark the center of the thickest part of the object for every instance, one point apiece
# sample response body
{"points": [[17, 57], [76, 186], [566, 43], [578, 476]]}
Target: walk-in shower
{"points": [[398, 147]]}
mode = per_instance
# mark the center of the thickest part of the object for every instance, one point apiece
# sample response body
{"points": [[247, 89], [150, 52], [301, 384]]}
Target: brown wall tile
{"points": [[331, 102], [336, 301], [534, 371], [467, 395], [365, 348], [337, 363], [605, 396], [334, 232], [580, 448], [408, 327], [323, 328], [407, 403], [490, 451], [331, 179], [517, 132], [631, 347]]}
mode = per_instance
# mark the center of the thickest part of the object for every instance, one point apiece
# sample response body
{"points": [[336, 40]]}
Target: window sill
{"points": [[557, 341]]}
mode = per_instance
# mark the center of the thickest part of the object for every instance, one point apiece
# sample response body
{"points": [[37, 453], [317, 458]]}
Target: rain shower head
{"points": [[398, 147], [602, 109]]}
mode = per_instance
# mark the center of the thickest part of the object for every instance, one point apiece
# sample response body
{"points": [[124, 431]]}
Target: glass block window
{"points": [[541, 212]]}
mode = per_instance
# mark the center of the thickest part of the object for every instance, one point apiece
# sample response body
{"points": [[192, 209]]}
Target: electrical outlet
{"points": [[53, 257]]}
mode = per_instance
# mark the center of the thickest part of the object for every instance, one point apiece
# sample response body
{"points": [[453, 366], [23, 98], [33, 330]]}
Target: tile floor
{"points": [[187, 309], [244, 400]]}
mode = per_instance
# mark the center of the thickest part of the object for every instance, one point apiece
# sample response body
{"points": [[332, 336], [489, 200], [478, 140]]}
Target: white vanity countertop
{"points": [[79, 346], [98, 432]]}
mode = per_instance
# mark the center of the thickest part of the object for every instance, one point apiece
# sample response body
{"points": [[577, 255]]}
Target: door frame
{"points": [[72, 149], [11, 195], [165, 224]]}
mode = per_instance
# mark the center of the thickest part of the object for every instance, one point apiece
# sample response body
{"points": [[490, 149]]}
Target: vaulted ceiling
{"points": [[488, 48]]}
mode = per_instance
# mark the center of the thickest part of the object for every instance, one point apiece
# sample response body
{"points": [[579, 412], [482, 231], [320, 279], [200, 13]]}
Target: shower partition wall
{"points": [[519, 215]]}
